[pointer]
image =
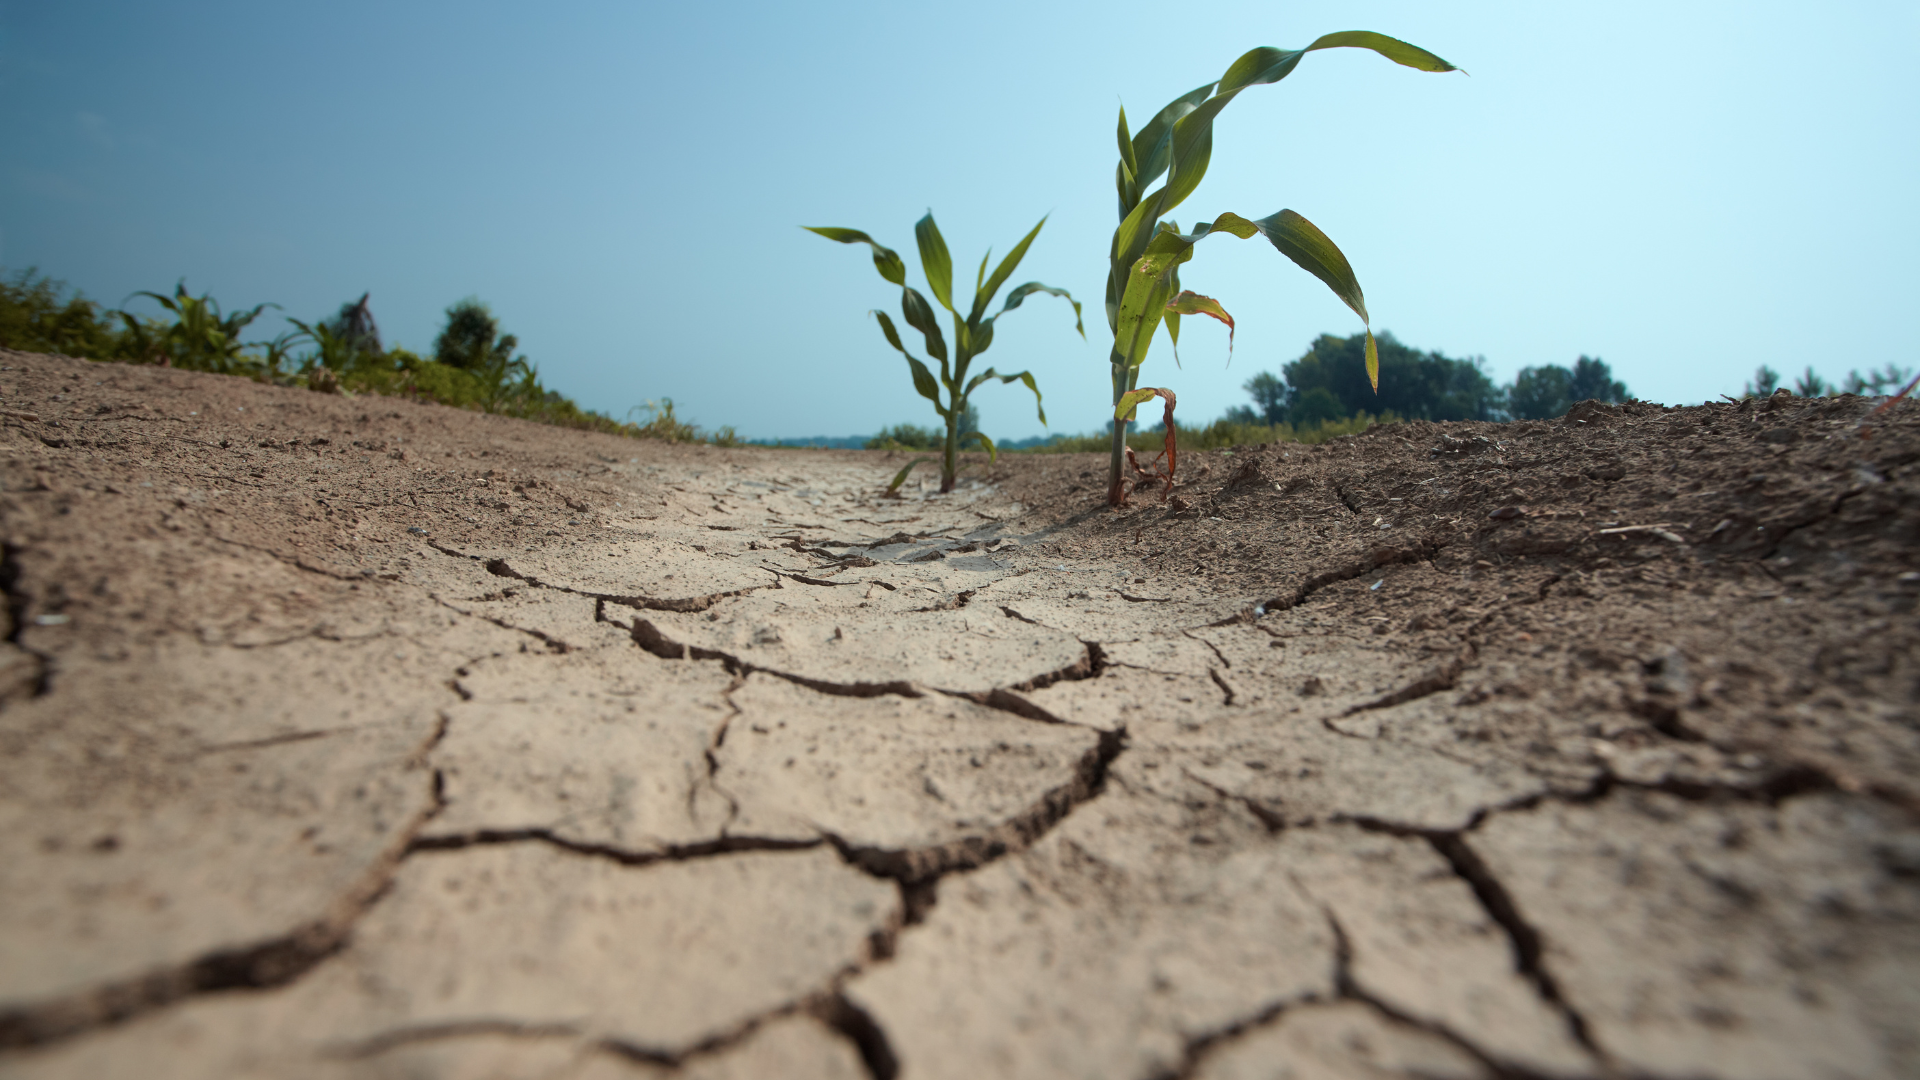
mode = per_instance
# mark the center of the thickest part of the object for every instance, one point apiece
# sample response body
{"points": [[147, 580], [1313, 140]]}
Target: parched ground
{"points": [[359, 738]]}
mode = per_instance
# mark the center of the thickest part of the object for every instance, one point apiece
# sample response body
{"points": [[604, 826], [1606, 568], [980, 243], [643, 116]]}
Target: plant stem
{"points": [[1123, 379], [949, 466]]}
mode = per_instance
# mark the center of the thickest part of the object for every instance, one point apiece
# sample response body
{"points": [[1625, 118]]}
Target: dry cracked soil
{"points": [[364, 738]]}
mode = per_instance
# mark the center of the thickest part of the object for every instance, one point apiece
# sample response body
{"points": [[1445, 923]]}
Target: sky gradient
{"points": [[1685, 191]]}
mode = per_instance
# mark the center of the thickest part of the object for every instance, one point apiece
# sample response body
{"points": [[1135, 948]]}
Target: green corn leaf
{"points": [[1132, 400], [885, 259], [901, 476], [984, 295], [922, 378], [935, 262], [1150, 284], [1373, 361], [1151, 146], [1394, 49], [980, 275], [982, 338], [1019, 376], [1022, 292], [920, 316], [1303, 242], [1127, 160], [993, 454]]}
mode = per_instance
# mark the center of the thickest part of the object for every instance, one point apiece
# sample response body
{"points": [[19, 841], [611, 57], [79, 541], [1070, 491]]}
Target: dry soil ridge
{"points": [[356, 737]]}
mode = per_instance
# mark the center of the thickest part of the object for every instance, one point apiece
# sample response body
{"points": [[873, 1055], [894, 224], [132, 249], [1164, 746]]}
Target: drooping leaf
{"points": [[923, 381], [1148, 286], [993, 454], [935, 262], [1021, 376], [885, 259], [1023, 291], [901, 476], [1400, 52], [1373, 361], [1303, 242], [1131, 400], [1189, 302], [920, 316]]}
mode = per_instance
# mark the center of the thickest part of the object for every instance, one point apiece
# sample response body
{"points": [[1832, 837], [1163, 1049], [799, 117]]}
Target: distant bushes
{"points": [[474, 365]]}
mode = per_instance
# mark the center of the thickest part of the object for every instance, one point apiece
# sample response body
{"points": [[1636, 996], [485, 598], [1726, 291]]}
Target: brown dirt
{"points": [[354, 737]]}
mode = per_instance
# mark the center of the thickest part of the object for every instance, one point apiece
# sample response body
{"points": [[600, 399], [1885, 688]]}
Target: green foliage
{"points": [[972, 335], [1876, 383], [1143, 284], [1765, 382], [200, 338], [1218, 435], [37, 314], [1811, 385], [1416, 385], [1548, 391], [905, 437]]}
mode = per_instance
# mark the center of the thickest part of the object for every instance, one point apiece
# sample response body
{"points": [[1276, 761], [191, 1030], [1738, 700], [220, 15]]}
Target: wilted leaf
{"points": [[1189, 302], [885, 259]]}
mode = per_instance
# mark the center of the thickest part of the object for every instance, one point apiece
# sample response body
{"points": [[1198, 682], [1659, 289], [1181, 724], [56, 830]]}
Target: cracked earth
{"points": [[356, 737]]}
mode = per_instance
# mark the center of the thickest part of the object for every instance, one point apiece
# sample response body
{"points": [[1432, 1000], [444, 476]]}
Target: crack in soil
{"points": [[684, 605], [1446, 678], [1421, 551], [1349, 988], [17, 602], [263, 965], [552, 643], [912, 866], [705, 849], [1524, 937], [649, 637]]}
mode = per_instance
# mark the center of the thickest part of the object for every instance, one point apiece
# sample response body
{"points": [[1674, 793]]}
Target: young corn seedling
{"points": [[972, 335], [1143, 280]]}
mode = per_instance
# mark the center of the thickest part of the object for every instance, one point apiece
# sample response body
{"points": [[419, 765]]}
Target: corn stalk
{"points": [[1143, 279]]}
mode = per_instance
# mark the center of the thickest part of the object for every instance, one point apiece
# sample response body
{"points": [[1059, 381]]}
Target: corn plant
{"points": [[972, 335], [1143, 280], [201, 338]]}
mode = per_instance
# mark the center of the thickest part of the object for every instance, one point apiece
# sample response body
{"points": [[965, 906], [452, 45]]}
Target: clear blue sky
{"points": [[1686, 190]]}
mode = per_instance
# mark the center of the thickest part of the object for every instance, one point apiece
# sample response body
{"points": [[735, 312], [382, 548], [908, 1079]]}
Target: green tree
{"points": [[1811, 385], [1315, 407], [472, 342], [1592, 380], [1269, 398], [1540, 393], [1765, 382], [1413, 384]]}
